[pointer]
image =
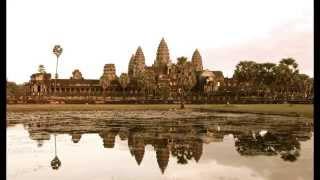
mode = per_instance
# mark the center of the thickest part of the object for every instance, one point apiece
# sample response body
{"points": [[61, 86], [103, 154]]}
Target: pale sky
{"points": [[96, 32]]}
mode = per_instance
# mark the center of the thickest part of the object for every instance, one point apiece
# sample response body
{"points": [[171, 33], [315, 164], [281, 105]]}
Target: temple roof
{"points": [[77, 82], [218, 74]]}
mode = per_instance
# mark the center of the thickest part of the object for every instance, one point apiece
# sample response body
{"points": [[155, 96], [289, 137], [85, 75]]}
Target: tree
{"points": [[265, 77], [183, 151], [246, 74], [15, 90], [285, 73], [267, 73], [55, 163], [41, 69], [124, 81], [57, 50], [245, 71], [12, 88], [291, 64], [302, 84], [186, 78]]}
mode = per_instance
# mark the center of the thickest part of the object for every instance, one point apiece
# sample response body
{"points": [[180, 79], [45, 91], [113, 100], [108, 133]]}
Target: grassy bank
{"points": [[305, 110]]}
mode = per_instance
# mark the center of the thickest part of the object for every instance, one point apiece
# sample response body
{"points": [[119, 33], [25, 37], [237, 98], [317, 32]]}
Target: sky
{"points": [[93, 33]]}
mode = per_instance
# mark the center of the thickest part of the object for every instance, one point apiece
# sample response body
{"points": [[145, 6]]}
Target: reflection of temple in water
{"points": [[182, 140]]}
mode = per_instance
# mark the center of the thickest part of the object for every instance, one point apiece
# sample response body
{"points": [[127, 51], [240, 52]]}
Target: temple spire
{"points": [[197, 60], [163, 56], [130, 67], [138, 62]]}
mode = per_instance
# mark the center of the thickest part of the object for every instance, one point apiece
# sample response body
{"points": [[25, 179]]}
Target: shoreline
{"points": [[297, 110]]}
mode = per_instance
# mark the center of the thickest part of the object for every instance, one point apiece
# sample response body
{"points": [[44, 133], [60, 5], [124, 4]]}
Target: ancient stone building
{"points": [[109, 81], [109, 72], [150, 81], [162, 58], [41, 84], [197, 60], [158, 81], [210, 80], [130, 66], [76, 74], [138, 63]]}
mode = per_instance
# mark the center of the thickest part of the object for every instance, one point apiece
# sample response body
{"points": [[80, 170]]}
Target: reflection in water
{"points": [[284, 144], [55, 163], [175, 136]]}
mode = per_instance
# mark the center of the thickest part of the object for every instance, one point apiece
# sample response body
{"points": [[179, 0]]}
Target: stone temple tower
{"points": [[130, 67], [162, 58], [138, 62], [109, 71], [197, 61]]}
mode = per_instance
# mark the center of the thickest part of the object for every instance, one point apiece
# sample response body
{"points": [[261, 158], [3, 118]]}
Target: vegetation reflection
{"points": [[181, 140]]}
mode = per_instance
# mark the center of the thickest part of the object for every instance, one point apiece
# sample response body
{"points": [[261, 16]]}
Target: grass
{"points": [[305, 110]]}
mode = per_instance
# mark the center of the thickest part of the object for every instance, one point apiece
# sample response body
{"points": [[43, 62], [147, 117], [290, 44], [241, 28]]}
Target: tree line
{"points": [[273, 80]]}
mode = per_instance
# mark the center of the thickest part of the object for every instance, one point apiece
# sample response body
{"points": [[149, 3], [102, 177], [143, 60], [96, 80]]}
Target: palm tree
{"points": [[57, 50], [55, 163], [267, 76], [246, 74], [41, 69], [285, 73], [124, 81], [301, 84]]}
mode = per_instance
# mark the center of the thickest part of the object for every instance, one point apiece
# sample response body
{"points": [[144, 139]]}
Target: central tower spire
{"points": [[163, 56]]}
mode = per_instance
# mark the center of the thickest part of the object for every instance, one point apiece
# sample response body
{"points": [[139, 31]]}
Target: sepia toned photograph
{"points": [[160, 90]]}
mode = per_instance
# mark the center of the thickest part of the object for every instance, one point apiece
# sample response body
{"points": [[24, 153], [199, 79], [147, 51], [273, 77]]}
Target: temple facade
{"points": [[161, 80]]}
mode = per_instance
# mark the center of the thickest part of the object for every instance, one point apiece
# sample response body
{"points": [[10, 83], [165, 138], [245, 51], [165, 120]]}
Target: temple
{"points": [[164, 82], [158, 82]]}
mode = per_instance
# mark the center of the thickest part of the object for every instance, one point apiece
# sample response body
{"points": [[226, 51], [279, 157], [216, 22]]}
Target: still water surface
{"points": [[172, 145]]}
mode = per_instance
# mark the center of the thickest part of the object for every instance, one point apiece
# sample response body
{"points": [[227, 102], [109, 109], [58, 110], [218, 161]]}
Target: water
{"points": [[171, 145]]}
